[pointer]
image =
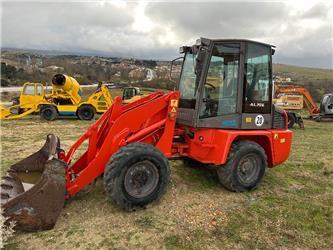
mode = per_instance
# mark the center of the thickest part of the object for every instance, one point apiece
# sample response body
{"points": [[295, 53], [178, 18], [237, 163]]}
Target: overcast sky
{"points": [[301, 30]]}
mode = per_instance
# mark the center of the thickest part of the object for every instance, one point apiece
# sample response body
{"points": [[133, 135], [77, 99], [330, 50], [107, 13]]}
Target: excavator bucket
{"points": [[33, 190]]}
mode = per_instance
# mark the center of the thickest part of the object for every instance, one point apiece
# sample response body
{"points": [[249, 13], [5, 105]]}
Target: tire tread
{"points": [[226, 172], [114, 169]]}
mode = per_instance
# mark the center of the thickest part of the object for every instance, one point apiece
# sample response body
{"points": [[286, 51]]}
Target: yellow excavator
{"points": [[65, 99]]}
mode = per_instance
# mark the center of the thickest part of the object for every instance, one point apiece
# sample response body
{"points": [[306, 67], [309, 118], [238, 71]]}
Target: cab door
{"points": [[219, 93], [257, 94], [31, 94]]}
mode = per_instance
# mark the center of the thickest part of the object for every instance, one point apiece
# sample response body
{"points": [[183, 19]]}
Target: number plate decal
{"points": [[259, 120]]}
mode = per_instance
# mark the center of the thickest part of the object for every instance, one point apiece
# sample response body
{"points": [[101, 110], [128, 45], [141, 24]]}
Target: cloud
{"points": [[65, 26], [302, 33], [302, 37], [216, 19]]}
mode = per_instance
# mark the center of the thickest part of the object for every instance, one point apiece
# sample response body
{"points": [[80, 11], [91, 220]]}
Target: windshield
{"points": [[187, 82]]}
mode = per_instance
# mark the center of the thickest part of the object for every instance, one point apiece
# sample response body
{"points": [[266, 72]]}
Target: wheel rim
{"points": [[86, 113], [248, 169], [47, 113], [141, 179]]}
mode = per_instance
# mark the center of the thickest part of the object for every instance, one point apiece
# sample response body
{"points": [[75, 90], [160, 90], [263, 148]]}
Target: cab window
{"points": [[29, 90], [220, 89], [257, 81], [39, 90], [188, 82]]}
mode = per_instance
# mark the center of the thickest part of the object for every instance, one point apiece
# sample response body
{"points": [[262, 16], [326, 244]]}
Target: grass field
{"points": [[301, 74], [292, 208]]}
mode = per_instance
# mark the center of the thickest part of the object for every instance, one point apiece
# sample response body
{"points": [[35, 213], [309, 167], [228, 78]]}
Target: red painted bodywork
{"points": [[212, 145], [152, 120]]}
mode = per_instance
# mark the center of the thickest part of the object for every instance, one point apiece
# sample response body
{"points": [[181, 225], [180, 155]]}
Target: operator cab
{"points": [[130, 92], [226, 83]]}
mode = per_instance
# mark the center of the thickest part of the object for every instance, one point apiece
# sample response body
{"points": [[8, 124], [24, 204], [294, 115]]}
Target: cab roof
{"points": [[207, 41]]}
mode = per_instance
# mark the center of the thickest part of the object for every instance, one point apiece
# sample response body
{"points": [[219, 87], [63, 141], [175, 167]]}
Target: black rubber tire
{"points": [[48, 112], [118, 167], [229, 174], [85, 112], [291, 120]]}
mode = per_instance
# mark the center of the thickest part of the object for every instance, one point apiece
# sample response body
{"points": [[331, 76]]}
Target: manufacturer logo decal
{"points": [[259, 120], [257, 104]]}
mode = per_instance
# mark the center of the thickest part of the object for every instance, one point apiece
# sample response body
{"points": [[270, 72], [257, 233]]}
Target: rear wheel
{"points": [[136, 175], [245, 167], [85, 112], [48, 112]]}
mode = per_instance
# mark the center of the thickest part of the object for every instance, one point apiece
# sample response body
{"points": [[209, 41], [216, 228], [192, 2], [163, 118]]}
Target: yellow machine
{"points": [[31, 96], [131, 94], [65, 99]]}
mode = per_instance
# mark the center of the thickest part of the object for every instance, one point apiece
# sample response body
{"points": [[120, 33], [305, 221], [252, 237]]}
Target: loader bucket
{"points": [[33, 190]]}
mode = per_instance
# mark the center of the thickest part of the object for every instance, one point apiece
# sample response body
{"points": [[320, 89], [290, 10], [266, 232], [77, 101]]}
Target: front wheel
{"points": [[136, 175], [245, 167], [48, 112], [85, 112]]}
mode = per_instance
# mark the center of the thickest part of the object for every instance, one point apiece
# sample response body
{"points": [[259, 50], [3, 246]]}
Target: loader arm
{"points": [[151, 120], [6, 113], [101, 99]]}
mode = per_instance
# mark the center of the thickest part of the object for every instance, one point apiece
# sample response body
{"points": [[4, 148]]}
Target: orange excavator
{"points": [[325, 111]]}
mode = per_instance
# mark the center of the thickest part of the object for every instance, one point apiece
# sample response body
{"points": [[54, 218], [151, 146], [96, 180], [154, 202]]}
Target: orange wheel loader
{"points": [[221, 115]]}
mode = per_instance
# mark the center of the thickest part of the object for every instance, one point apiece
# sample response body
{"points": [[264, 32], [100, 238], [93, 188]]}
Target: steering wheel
{"points": [[210, 85]]}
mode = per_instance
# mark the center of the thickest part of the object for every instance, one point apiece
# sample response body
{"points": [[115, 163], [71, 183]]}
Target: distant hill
{"points": [[317, 81], [303, 75], [20, 65]]}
